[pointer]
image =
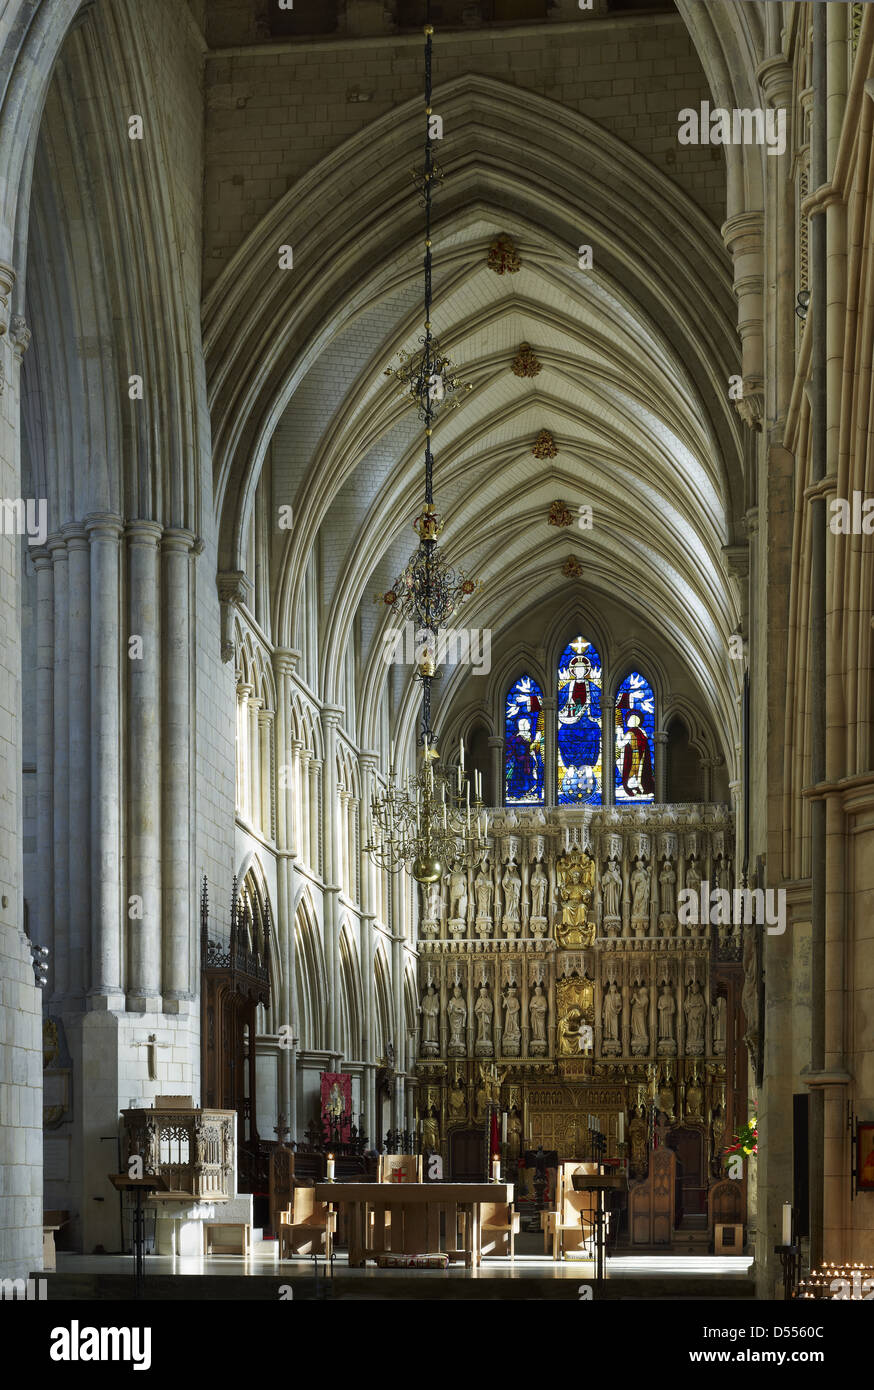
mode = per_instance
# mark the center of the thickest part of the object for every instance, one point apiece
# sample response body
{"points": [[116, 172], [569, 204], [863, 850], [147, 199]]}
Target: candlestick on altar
{"points": [[330, 1168]]}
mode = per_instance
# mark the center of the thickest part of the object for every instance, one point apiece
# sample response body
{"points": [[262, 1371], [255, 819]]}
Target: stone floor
{"points": [[530, 1275]]}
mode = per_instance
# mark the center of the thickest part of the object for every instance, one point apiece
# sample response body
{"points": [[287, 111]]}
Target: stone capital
{"points": [[179, 539], [285, 661], [104, 525], [775, 78], [145, 533], [75, 536], [41, 556]]}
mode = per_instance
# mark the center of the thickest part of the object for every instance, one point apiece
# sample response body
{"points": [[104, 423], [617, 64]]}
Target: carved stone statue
{"points": [[430, 1133], [612, 1015], [667, 1008], [694, 1100], [576, 890], [718, 1015], [667, 879], [611, 889], [457, 1101], [484, 889], [640, 896], [717, 1130], [432, 895], [512, 1029], [430, 1020], [537, 1009], [484, 1008], [456, 1011], [639, 1020], [512, 885], [457, 894], [539, 890], [570, 1033], [695, 1009], [693, 884]]}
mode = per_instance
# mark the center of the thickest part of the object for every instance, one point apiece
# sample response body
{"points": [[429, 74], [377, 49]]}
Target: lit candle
{"points": [[330, 1167], [787, 1223], [496, 1169]]}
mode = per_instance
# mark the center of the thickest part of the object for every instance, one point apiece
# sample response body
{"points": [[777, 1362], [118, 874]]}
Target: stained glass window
{"points": [[635, 741], [579, 725], [523, 742]]}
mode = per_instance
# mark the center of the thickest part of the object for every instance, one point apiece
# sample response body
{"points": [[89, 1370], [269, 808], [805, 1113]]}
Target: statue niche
{"points": [[576, 887], [575, 1006]]}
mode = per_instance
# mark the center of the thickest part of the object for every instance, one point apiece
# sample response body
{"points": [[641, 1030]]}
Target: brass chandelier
{"points": [[426, 821]]}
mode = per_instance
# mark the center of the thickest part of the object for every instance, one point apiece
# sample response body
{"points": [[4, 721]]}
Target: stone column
{"points": [[243, 751], [331, 715], [608, 752], [60, 772], [265, 744], [45, 639], [79, 786], [144, 789], [295, 800], [368, 762], [178, 919], [254, 708], [344, 867], [660, 739], [496, 753], [315, 856], [550, 778], [105, 990], [397, 973], [283, 787]]}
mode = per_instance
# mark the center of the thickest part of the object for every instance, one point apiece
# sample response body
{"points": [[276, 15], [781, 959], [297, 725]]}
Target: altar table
{"points": [[404, 1218]]}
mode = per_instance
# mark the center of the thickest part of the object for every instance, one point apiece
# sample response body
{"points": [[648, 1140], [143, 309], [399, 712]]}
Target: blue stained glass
{"points": [[523, 743], [635, 741], [579, 771]]}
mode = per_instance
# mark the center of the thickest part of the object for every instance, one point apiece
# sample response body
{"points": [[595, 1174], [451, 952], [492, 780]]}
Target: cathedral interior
{"points": [[437, 661]]}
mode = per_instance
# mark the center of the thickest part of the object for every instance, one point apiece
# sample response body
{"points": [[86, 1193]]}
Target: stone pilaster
{"points": [[144, 765], [179, 954], [104, 986]]}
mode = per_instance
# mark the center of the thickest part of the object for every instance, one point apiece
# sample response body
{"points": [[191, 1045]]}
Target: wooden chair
{"points": [[499, 1227], [570, 1232], [306, 1227], [400, 1168]]}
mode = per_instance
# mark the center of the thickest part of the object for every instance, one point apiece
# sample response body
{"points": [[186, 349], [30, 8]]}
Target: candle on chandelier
{"points": [[787, 1223], [461, 753], [391, 756]]}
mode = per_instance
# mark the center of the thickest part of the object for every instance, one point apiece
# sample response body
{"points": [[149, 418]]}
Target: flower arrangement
{"points": [[746, 1141]]}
